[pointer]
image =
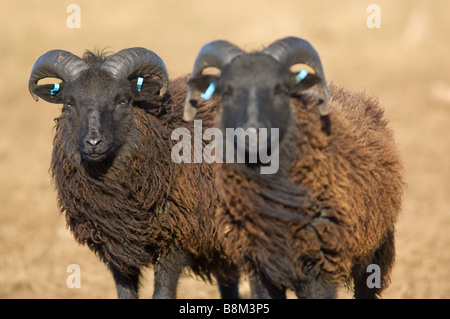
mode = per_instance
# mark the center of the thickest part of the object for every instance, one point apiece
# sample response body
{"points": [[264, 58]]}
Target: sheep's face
{"points": [[255, 90], [97, 115]]}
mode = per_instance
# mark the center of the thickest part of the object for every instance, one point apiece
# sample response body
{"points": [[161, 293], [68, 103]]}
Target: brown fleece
{"points": [[330, 210], [143, 204]]}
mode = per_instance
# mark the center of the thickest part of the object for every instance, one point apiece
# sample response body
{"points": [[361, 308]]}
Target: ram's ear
{"points": [[201, 83], [50, 92], [299, 85], [145, 89]]}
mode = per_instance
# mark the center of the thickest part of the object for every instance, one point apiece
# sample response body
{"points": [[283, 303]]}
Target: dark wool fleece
{"points": [[141, 204], [332, 203]]}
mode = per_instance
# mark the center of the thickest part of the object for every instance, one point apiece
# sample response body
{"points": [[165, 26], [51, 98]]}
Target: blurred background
{"points": [[404, 62]]}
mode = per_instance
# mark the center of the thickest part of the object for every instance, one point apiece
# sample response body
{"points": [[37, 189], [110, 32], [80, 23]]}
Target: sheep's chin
{"points": [[96, 157]]}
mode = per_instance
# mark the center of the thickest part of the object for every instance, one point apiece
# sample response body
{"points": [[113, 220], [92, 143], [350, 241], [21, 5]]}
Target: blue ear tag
{"points": [[301, 76], [55, 89], [139, 83], [209, 91]]}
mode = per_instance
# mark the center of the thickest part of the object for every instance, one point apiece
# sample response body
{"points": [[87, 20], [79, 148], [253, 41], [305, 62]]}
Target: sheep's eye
{"points": [[122, 102], [227, 93], [280, 91], [68, 104]]}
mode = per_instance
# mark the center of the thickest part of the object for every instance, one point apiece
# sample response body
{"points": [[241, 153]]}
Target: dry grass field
{"points": [[405, 63]]}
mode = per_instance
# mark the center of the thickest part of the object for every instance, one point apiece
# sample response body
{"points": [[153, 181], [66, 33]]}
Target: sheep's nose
{"points": [[93, 142]]}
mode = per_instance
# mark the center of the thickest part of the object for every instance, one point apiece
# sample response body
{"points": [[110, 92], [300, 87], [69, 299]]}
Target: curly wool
{"points": [[331, 205], [141, 204]]}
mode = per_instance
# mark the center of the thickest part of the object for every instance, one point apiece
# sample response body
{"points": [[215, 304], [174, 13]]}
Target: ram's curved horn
{"points": [[133, 62], [55, 64], [213, 54], [292, 50]]}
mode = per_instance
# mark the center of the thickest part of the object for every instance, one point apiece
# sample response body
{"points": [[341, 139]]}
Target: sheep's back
{"points": [[356, 170]]}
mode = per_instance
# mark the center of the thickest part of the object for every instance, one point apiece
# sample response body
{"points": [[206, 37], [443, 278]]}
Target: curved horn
{"points": [[132, 62], [213, 54], [55, 64], [292, 50]]}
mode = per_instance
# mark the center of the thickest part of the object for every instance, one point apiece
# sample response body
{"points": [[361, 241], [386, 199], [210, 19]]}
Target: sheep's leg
{"points": [[167, 273], [262, 288], [362, 291], [384, 256], [127, 286], [228, 289]]}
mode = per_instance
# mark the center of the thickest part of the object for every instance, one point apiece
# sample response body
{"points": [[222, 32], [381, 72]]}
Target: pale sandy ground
{"points": [[405, 63]]}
